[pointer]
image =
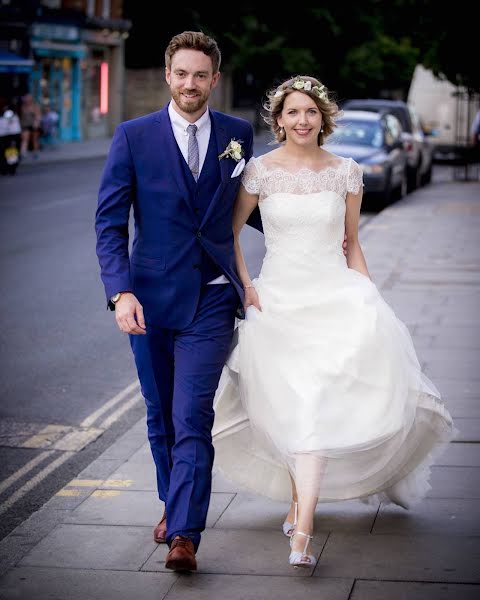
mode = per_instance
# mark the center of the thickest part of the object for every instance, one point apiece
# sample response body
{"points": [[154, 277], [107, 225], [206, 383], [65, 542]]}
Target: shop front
{"points": [[102, 81], [56, 81]]}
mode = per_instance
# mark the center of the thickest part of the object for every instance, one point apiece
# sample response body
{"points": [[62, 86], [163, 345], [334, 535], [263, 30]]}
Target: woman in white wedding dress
{"points": [[323, 397]]}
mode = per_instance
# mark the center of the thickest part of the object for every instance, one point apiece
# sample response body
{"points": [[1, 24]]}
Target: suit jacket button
{"points": [[196, 266], [199, 234]]}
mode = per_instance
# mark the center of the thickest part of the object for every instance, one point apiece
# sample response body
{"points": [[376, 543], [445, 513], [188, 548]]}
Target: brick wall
{"points": [[147, 91]]}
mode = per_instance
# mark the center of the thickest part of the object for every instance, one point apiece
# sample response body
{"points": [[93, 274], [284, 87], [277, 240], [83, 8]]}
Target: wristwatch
{"points": [[116, 297]]}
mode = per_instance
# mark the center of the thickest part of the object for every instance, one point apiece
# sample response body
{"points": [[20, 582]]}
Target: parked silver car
{"points": [[417, 145], [374, 141]]}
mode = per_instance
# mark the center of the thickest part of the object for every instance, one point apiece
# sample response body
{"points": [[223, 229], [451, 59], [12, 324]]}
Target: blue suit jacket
{"points": [[144, 169]]}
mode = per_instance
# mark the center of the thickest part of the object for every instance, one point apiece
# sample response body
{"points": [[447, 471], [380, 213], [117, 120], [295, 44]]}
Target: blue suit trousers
{"points": [[179, 371]]}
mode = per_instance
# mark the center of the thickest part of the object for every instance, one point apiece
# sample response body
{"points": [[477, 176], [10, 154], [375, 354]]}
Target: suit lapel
{"points": [[226, 166], [220, 132]]}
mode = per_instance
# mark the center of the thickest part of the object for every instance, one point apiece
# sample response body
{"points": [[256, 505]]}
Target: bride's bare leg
{"points": [[291, 513], [309, 470]]}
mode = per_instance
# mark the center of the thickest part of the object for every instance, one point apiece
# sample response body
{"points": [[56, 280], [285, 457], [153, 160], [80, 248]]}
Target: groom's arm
{"points": [[111, 223]]}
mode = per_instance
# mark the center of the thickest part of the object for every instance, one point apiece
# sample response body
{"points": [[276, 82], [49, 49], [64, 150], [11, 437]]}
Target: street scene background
{"points": [[77, 489]]}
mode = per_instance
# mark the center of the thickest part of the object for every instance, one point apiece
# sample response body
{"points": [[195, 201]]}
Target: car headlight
{"points": [[372, 169]]}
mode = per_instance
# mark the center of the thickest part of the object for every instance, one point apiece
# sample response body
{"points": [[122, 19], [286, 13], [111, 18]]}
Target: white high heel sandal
{"points": [[288, 527], [301, 559]]}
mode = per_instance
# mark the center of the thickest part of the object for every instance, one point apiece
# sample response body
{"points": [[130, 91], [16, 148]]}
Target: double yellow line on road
{"points": [[68, 440]]}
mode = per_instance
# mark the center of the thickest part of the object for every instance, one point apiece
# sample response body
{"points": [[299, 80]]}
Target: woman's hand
{"points": [[251, 299]]}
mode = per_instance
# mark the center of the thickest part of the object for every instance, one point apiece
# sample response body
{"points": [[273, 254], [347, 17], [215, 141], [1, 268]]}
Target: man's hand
{"points": [[129, 315], [345, 245]]}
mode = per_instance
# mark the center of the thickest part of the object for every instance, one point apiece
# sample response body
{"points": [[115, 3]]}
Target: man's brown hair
{"points": [[194, 40]]}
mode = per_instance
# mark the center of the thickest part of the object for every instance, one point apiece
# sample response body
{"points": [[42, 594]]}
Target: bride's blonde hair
{"points": [[312, 88]]}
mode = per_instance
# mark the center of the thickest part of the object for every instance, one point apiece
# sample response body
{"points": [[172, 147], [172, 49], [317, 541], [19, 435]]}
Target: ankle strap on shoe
{"points": [[309, 537]]}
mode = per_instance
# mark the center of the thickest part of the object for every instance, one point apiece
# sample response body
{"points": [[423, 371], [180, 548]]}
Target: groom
{"points": [[178, 292]]}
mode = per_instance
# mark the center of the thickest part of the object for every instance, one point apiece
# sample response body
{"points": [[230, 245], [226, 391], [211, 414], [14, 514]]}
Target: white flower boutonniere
{"points": [[233, 150]]}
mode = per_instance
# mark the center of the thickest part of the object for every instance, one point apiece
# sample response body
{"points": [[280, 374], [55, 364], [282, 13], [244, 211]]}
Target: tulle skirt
{"points": [[323, 387]]}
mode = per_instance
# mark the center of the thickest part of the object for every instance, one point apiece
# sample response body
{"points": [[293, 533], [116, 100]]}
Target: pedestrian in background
{"points": [[49, 124], [30, 120]]}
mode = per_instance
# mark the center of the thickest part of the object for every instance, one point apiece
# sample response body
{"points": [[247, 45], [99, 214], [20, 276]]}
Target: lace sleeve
{"points": [[354, 177], [250, 178]]}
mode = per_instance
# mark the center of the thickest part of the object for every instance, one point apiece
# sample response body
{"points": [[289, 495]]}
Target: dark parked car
{"points": [[374, 141], [418, 146]]}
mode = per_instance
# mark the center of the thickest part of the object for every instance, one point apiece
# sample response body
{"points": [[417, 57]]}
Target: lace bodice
{"points": [[341, 178], [303, 213]]}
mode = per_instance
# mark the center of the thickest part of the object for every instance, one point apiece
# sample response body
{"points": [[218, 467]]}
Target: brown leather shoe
{"points": [[182, 555], [160, 531]]}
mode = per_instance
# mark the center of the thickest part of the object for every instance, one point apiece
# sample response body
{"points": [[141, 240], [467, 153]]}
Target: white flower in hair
{"points": [[299, 84], [307, 86]]}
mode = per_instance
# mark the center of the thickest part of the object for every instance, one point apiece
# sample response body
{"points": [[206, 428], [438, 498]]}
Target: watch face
{"points": [[116, 298]]}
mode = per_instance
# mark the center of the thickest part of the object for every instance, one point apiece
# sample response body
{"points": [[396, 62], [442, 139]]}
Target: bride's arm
{"points": [[355, 257], [245, 203]]}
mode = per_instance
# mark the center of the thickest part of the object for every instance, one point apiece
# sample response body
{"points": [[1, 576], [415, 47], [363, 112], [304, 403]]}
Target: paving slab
{"points": [[93, 547], [460, 455], [251, 587], [397, 558], [126, 507], [247, 511], [451, 337], [100, 468], [220, 484], [433, 516], [455, 482], [241, 552], [381, 590], [140, 474], [468, 429], [32, 583], [463, 408], [458, 367]]}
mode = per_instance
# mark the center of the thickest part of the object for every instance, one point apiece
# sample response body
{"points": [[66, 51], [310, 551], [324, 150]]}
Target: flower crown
{"points": [[302, 84]]}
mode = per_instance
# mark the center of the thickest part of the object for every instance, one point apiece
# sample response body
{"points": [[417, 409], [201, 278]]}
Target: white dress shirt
{"points": [[204, 128]]}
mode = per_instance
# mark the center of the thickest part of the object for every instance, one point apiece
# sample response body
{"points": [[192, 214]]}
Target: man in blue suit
{"points": [[178, 292]]}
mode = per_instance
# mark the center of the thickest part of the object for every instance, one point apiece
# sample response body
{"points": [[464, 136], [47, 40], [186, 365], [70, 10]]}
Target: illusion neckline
{"points": [[341, 163]]}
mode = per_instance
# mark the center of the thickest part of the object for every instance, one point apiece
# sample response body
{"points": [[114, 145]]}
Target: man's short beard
{"points": [[190, 107]]}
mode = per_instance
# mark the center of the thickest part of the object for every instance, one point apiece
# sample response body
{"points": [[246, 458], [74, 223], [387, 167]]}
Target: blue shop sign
{"points": [[53, 31]]}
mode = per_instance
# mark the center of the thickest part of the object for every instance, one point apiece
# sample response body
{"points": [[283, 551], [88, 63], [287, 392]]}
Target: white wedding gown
{"points": [[324, 384]]}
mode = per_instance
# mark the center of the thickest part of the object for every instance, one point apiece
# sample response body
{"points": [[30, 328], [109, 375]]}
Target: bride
{"points": [[322, 398]]}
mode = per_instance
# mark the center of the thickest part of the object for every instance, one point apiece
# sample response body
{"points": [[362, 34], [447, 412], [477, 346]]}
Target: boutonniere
{"points": [[233, 150]]}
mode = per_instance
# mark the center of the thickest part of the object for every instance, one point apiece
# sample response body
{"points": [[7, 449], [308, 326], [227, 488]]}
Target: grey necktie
{"points": [[193, 153]]}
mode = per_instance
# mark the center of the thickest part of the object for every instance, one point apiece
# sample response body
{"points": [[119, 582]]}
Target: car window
{"points": [[393, 127], [401, 112], [357, 133]]}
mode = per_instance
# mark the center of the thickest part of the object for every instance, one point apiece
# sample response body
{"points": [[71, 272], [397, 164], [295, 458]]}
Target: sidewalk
{"points": [[93, 540], [98, 148], [68, 151]]}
